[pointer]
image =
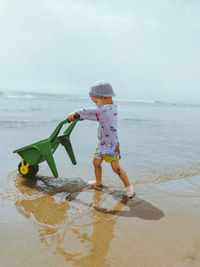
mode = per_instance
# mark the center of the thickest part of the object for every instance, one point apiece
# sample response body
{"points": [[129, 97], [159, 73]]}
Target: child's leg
{"points": [[123, 176], [98, 171], [118, 170]]}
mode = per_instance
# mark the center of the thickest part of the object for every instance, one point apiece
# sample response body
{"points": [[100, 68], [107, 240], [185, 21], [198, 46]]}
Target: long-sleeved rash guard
{"points": [[107, 117]]}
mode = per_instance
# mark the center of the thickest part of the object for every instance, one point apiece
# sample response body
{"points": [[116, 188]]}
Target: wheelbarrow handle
{"points": [[58, 128], [76, 117]]}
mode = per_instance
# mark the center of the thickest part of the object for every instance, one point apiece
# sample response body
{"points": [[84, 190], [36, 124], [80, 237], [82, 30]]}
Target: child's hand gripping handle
{"points": [[76, 117], [58, 128]]}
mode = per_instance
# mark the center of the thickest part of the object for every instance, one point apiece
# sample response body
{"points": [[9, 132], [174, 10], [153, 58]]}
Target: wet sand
{"points": [[158, 227]]}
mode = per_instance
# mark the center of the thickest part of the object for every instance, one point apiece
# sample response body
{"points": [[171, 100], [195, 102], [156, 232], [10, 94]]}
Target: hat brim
{"points": [[98, 95]]}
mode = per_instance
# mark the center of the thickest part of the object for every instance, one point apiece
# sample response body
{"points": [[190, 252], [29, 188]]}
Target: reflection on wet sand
{"points": [[80, 229], [99, 237], [137, 207]]}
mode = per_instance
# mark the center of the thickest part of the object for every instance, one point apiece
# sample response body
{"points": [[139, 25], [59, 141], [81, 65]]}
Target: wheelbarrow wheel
{"points": [[31, 170]]}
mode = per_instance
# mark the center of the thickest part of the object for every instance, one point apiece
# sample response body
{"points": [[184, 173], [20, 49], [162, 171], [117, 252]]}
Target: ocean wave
{"points": [[24, 95], [73, 98], [43, 97], [154, 103], [17, 95], [20, 109], [176, 173], [19, 124]]}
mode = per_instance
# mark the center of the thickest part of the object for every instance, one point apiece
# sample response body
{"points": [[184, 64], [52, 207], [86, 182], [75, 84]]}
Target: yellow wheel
{"points": [[26, 169]]}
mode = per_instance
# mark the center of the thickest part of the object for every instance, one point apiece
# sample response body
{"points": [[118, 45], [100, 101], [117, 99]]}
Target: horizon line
{"points": [[50, 93]]}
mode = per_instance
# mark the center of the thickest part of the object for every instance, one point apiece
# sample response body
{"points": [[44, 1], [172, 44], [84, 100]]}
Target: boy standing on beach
{"points": [[106, 114]]}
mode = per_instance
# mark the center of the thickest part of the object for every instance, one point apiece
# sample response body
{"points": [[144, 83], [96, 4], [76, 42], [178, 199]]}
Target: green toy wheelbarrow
{"points": [[43, 150]]}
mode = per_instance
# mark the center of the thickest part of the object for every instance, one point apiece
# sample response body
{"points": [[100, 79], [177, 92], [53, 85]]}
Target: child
{"points": [[105, 113]]}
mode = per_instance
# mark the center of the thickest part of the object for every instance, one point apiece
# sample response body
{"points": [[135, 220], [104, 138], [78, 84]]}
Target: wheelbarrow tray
{"points": [[43, 150], [31, 154]]}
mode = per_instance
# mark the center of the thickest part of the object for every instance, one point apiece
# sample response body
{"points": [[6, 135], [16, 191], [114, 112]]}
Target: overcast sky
{"points": [[147, 49]]}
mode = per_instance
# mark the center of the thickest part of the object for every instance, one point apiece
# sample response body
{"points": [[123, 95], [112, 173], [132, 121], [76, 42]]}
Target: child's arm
{"points": [[86, 114]]}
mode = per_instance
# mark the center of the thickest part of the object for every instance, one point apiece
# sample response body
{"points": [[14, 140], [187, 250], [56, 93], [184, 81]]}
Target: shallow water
{"points": [[63, 222]]}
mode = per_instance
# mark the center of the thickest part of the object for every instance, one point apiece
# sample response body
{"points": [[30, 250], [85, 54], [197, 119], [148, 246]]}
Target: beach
{"points": [[61, 221]]}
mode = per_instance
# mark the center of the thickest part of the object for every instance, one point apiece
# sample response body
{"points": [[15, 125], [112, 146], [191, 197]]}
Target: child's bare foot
{"points": [[129, 191], [95, 184]]}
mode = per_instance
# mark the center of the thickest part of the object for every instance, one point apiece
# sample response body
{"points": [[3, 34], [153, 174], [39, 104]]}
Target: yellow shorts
{"points": [[107, 157]]}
